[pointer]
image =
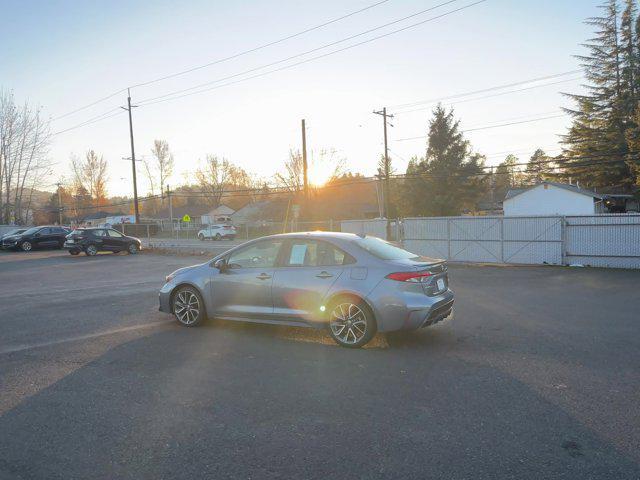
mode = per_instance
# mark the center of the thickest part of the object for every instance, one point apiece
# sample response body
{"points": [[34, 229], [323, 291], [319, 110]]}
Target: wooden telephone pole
{"points": [[133, 157], [387, 170]]}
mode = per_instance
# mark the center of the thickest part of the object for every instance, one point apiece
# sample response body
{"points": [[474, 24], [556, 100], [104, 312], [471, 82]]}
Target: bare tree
{"points": [[24, 146], [292, 178], [163, 162], [218, 176], [90, 176]]}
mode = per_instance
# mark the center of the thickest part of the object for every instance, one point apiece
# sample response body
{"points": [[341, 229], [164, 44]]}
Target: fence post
{"points": [[148, 235], [448, 239], [563, 240], [501, 239]]}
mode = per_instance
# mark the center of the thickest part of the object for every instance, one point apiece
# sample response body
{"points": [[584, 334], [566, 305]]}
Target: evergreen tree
{"points": [[448, 180], [604, 116], [538, 167]]}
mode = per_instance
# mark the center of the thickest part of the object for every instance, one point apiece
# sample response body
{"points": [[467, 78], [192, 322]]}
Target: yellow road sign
{"points": [[186, 218]]}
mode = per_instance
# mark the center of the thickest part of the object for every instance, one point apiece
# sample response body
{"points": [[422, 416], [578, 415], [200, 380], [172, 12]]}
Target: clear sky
{"points": [[65, 54]]}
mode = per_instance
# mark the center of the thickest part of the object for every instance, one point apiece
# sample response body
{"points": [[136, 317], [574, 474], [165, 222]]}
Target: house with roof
{"points": [[552, 198], [220, 214]]}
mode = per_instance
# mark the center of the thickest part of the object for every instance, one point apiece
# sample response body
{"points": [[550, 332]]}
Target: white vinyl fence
{"points": [[376, 228], [595, 240]]}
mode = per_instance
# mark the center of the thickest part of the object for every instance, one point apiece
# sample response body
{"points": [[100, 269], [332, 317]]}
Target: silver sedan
{"points": [[354, 285]]}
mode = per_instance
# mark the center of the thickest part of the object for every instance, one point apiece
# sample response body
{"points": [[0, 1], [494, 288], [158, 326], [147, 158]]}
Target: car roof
{"points": [[317, 234]]}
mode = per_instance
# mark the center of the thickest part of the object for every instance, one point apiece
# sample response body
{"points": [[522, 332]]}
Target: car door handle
{"points": [[263, 276], [324, 275]]}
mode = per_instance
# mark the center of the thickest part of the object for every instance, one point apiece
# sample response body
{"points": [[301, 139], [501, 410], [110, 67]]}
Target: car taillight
{"points": [[414, 277]]}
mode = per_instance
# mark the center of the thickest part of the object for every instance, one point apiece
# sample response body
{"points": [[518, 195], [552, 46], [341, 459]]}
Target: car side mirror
{"points": [[37, 234], [221, 264]]}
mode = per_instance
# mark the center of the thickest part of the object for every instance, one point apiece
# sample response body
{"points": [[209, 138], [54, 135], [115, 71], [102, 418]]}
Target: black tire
{"points": [[201, 237], [74, 252], [132, 249], [26, 246], [357, 326], [218, 237], [91, 250], [183, 298]]}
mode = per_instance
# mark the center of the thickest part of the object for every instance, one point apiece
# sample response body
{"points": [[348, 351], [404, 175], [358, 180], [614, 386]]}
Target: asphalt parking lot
{"points": [[537, 377]]}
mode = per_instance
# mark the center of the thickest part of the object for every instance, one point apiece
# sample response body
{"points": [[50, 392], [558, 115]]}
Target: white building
{"points": [[220, 214], [551, 198]]}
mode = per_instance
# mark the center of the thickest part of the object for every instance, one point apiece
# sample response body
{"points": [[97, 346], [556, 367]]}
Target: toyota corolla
{"points": [[353, 285]]}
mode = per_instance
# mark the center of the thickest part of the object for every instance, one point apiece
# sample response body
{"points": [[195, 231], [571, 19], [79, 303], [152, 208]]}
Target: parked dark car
{"points": [[94, 240], [48, 236], [9, 236]]}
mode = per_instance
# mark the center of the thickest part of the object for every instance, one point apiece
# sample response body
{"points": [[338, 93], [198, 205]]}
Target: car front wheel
{"points": [[91, 251], [351, 323], [188, 307], [201, 237], [26, 246], [133, 249]]}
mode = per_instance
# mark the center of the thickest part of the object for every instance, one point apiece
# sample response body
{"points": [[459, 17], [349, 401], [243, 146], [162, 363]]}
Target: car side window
{"points": [[316, 253], [114, 233], [44, 231], [99, 233], [262, 254]]}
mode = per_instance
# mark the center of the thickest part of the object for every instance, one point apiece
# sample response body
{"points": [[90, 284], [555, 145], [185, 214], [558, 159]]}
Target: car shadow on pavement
{"points": [[216, 402]]}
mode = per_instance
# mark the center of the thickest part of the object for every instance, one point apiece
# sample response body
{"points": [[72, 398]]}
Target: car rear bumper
{"points": [[72, 246], [399, 308]]}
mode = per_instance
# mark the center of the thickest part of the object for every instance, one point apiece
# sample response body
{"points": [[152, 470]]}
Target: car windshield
{"points": [[32, 230], [78, 231], [383, 250], [15, 232]]}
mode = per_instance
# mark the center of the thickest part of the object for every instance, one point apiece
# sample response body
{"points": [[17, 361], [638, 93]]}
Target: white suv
{"points": [[217, 232]]}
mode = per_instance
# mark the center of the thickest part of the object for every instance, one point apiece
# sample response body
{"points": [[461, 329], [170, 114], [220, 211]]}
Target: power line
{"points": [[255, 49], [489, 127], [297, 55], [494, 95], [89, 105], [98, 118], [111, 95], [486, 90], [162, 98]]}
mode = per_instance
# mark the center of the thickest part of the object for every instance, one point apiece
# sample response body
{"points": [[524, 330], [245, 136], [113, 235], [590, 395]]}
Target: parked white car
{"points": [[217, 232]]}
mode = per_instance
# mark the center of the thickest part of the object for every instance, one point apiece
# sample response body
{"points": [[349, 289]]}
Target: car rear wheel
{"points": [[218, 237], [26, 246], [351, 323], [74, 252], [133, 249], [188, 307], [91, 251]]}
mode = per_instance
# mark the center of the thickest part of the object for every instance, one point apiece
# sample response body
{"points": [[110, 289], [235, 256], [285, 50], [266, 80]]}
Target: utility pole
{"points": [[133, 157], [59, 204], [304, 161], [387, 170], [170, 207]]}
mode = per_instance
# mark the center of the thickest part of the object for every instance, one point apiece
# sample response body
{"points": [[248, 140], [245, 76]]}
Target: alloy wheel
{"points": [[348, 323], [26, 246], [187, 307], [92, 250], [133, 248]]}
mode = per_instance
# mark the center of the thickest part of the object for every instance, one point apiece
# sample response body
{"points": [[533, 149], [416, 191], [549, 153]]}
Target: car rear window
{"points": [[383, 250]]}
